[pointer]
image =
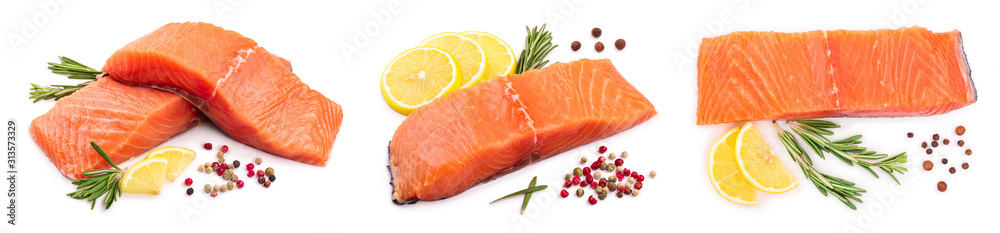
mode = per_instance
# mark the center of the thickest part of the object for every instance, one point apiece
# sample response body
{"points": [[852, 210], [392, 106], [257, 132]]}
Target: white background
{"points": [[352, 192]]}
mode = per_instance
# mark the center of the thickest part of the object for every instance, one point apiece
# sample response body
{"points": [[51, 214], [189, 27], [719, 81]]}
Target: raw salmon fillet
{"points": [[744, 76], [498, 126], [124, 120], [244, 89]]}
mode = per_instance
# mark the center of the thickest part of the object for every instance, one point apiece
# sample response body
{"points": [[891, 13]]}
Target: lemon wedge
{"points": [[759, 165], [178, 159], [724, 171], [146, 176]]}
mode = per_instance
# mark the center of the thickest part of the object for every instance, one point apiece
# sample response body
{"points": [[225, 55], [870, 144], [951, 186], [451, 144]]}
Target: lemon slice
{"points": [[418, 76], [724, 171], [178, 159], [470, 56], [146, 176], [500, 59], [759, 165]]}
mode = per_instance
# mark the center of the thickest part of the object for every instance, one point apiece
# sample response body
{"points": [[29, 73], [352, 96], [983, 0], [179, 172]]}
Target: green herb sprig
{"points": [[70, 67], [848, 150], [101, 182], [537, 46], [527, 193]]}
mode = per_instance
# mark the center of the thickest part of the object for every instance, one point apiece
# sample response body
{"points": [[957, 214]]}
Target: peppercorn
{"points": [[234, 178], [260, 173], [923, 145], [624, 154], [934, 144], [597, 174], [612, 178], [270, 178], [230, 185], [214, 193], [269, 171], [961, 142], [612, 167], [592, 200], [602, 195], [965, 166], [621, 185], [250, 167], [215, 188], [612, 156], [635, 193], [260, 179], [596, 32], [569, 177], [190, 191], [960, 130], [222, 189], [576, 180], [928, 165], [638, 185], [220, 154], [942, 186], [239, 183], [631, 180], [604, 166], [936, 137], [586, 171], [577, 172], [929, 151], [594, 165], [603, 183], [208, 188], [583, 160], [620, 44], [579, 192], [946, 141], [968, 151], [225, 149], [599, 47], [564, 193], [602, 149], [267, 184], [652, 174], [620, 162], [909, 135], [236, 164], [944, 161], [201, 168], [258, 161], [575, 45], [620, 194], [208, 146], [222, 160], [951, 170]]}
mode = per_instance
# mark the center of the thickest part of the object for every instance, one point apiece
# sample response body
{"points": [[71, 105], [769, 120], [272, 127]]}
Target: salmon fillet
{"points": [[124, 120], [499, 126], [244, 89], [744, 76]]}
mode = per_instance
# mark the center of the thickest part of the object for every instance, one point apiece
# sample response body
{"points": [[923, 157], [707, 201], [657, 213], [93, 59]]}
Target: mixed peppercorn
{"points": [[621, 180], [227, 171]]}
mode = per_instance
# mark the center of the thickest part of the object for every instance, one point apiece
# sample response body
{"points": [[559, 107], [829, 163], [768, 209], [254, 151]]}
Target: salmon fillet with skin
{"points": [[501, 125], [244, 89], [124, 120], [745, 76]]}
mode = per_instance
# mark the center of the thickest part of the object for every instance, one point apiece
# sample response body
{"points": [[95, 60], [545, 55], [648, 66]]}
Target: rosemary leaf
{"points": [[522, 191]]}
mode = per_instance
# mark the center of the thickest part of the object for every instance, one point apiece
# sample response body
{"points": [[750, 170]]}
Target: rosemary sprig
{"points": [[70, 67], [527, 196], [843, 190], [523, 191], [100, 182], [537, 46], [848, 150]]}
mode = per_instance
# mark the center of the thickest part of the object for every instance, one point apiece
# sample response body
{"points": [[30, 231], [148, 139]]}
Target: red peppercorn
{"points": [[619, 162], [592, 200], [603, 183], [640, 178], [250, 173], [224, 166], [586, 170], [593, 184], [188, 181], [260, 172], [594, 165], [564, 193], [601, 159], [626, 172], [576, 180], [584, 184], [620, 176], [214, 193], [225, 148], [635, 175], [602, 149], [239, 183], [208, 146], [215, 164], [621, 189], [589, 178], [220, 171], [249, 166], [267, 184], [637, 185], [567, 184]]}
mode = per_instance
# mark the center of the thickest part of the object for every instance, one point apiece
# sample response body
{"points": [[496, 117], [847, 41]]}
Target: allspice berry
{"points": [[599, 47], [596, 32], [620, 44], [575, 45]]}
